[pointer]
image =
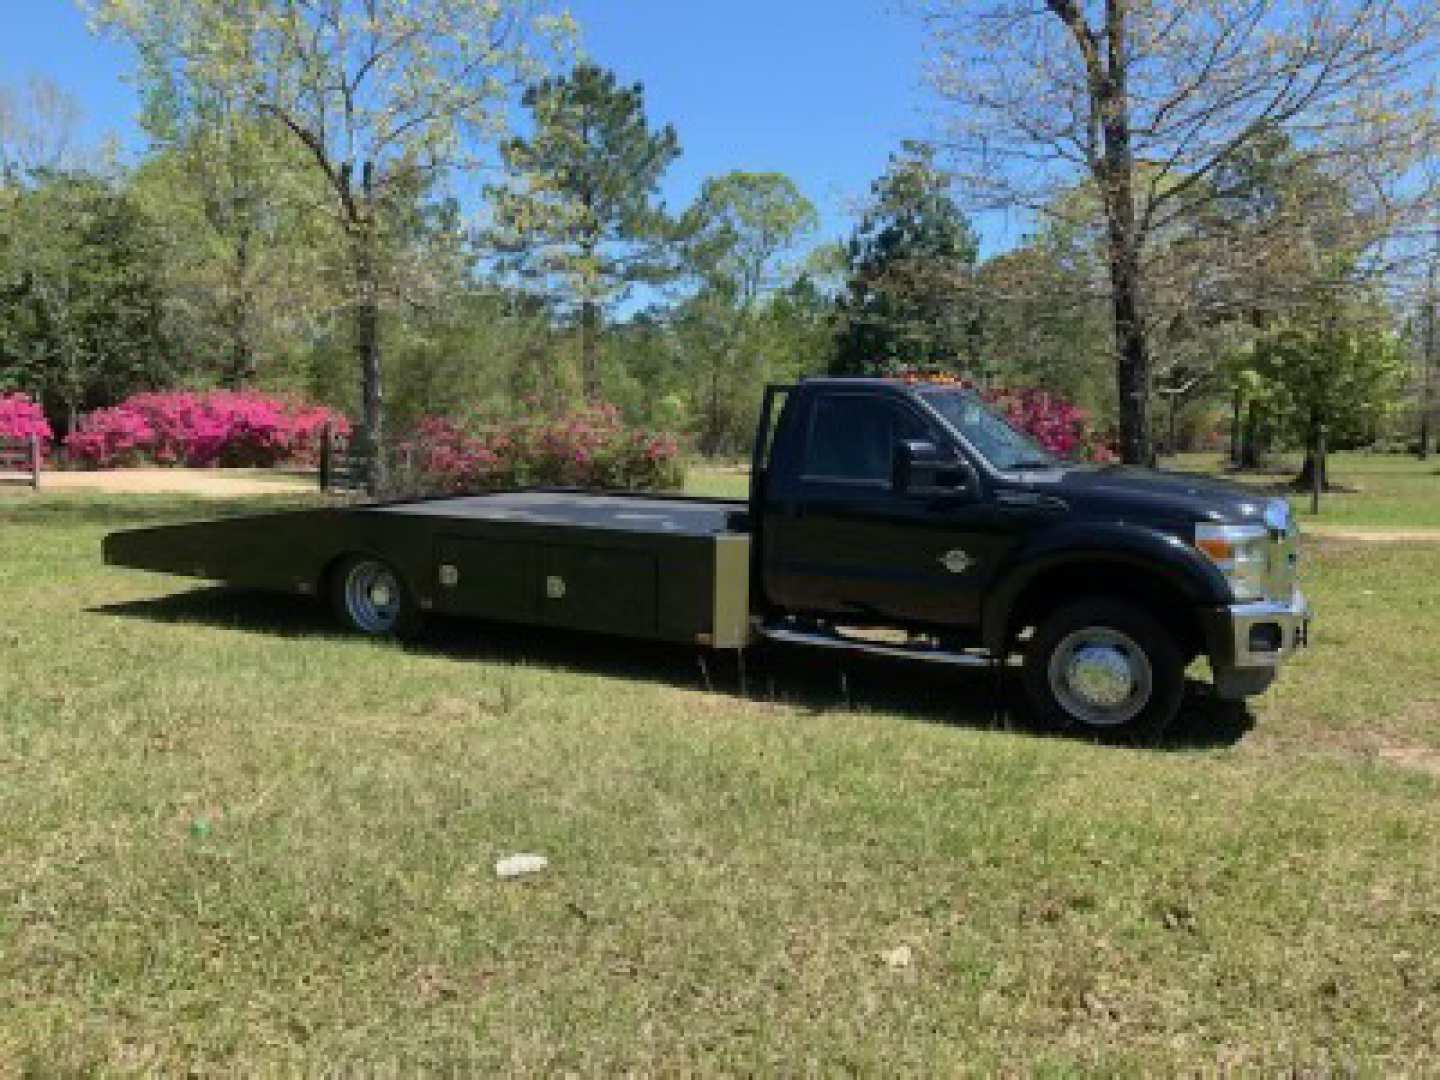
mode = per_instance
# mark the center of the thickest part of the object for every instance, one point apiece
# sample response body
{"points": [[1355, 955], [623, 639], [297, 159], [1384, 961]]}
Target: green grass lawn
{"points": [[1390, 491], [1387, 490], [233, 839]]}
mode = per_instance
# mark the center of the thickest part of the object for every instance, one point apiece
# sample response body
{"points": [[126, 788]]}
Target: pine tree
{"points": [[911, 261], [580, 212]]}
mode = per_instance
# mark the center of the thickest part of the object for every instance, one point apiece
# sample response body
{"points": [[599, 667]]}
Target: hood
{"points": [[1154, 493]]}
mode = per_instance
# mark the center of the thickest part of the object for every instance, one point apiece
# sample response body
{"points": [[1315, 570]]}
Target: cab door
{"points": [[840, 540]]}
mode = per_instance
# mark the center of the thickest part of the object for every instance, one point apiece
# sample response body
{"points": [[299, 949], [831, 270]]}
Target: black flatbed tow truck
{"points": [[885, 516]]}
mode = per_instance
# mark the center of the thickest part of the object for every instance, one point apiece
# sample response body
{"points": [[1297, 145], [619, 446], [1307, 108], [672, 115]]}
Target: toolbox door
{"points": [[487, 578], [609, 590]]}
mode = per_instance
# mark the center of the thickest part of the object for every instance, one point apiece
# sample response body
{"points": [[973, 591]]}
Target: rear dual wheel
{"points": [[1107, 667], [370, 597]]}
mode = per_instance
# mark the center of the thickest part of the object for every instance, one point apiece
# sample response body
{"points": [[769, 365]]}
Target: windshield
{"points": [[990, 435]]}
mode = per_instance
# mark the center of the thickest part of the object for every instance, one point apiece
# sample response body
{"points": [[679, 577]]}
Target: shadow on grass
{"points": [[790, 676]]}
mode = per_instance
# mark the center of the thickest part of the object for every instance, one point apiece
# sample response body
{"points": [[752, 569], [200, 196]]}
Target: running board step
{"points": [[790, 636]]}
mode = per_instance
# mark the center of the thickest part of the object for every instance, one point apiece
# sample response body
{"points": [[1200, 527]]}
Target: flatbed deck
{"points": [[666, 567], [623, 513]]}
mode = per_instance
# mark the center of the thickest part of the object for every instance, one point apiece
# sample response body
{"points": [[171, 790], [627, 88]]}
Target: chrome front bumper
{"points": [[1265, 633], [1248, 642]]}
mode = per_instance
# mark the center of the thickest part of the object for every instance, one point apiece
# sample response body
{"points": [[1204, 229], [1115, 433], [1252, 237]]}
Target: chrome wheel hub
{"points": [[1100, 676], [372, 597]]}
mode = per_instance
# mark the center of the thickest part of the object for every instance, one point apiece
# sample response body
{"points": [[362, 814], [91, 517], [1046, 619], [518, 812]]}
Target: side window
{"points": [[853, 436]]}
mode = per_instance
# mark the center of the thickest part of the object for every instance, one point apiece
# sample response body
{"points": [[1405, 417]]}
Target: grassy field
{"points": [[1385, 490], [232, 839]]}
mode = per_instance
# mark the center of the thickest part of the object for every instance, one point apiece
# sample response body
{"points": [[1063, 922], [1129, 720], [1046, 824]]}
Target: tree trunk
{"points": [[1306, 479], [243, 366], [1315, 458], [710, 436], [1429, 357], [590, 350], [1236, 402], [1250, 440], [1132, 368], [367, 350], [363, 223]]}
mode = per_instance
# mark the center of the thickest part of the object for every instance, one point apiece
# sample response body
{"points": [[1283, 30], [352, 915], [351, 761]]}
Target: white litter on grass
{"points": [[514, 866], [900, 957]]}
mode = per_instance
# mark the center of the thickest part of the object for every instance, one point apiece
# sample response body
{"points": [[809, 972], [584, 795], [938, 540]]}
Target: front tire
{"points": [[371, 598], [1106, 667]]}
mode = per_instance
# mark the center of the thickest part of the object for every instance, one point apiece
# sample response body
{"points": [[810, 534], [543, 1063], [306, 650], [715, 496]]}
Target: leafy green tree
{"points": [[796, 329], [81, 278], [1039, 321], [232, 190], [740, 229], [1273, 237], [912, 259], [580, 211], [1337, 370], [385, 99], [486, 350]]}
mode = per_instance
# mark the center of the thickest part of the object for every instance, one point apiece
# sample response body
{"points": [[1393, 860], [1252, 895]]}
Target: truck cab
{"points": [[910, 506]]}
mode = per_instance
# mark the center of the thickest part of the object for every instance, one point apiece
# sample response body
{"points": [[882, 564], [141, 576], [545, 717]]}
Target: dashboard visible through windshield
{"points": [[987, 432]]}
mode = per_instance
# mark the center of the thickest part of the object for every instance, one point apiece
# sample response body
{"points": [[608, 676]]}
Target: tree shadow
{"points": [[790, 676]]}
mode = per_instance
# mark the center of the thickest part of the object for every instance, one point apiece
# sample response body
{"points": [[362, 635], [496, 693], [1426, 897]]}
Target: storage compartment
{"points": [[666, 585], [489, 578], [612, 590]]}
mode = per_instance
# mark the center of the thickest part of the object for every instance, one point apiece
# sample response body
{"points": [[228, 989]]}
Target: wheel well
{"points": [[1054, 588]]}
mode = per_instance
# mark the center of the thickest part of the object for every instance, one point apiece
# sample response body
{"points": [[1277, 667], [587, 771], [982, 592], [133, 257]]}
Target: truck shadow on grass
{"points": [[789, 677]]}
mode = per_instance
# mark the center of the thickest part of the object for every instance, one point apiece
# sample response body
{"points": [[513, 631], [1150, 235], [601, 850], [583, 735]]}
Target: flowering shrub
{"points": [[111, 438], [20, 418], [218, 428], [1060, 426], [587, 448]]}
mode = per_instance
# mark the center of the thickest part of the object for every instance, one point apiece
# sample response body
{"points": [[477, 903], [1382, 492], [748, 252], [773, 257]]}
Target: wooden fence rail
{"points": [[20, 460], [343, 468]]}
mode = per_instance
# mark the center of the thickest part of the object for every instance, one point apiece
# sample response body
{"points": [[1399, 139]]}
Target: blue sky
{"points": [[822, 90]]}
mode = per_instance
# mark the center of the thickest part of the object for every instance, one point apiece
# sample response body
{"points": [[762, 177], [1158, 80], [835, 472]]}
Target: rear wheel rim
{"points": [[1101, 676], [372, 597]]}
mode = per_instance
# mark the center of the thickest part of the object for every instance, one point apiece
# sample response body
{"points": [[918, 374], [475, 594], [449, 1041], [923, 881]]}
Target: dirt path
{"points": [[210, 483], [1374, 536]]}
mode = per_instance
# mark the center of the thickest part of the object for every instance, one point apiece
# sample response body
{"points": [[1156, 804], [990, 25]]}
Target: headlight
{"points": [[1240, 552]]}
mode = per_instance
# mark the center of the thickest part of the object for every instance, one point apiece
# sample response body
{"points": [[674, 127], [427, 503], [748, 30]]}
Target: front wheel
{"points": [[1107, 667], [370, 597]]}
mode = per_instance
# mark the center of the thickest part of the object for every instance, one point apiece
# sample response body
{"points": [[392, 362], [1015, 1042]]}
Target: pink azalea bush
{"points": [[589, 447], [204, 429], [20, 418], [1060, 426]]}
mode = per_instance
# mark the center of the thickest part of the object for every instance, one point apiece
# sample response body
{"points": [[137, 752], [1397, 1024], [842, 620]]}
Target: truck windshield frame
{"points": [[1001, 444]]}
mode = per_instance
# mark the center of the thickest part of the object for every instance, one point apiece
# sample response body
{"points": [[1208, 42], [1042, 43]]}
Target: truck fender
{"points": [[1134, 549]]}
